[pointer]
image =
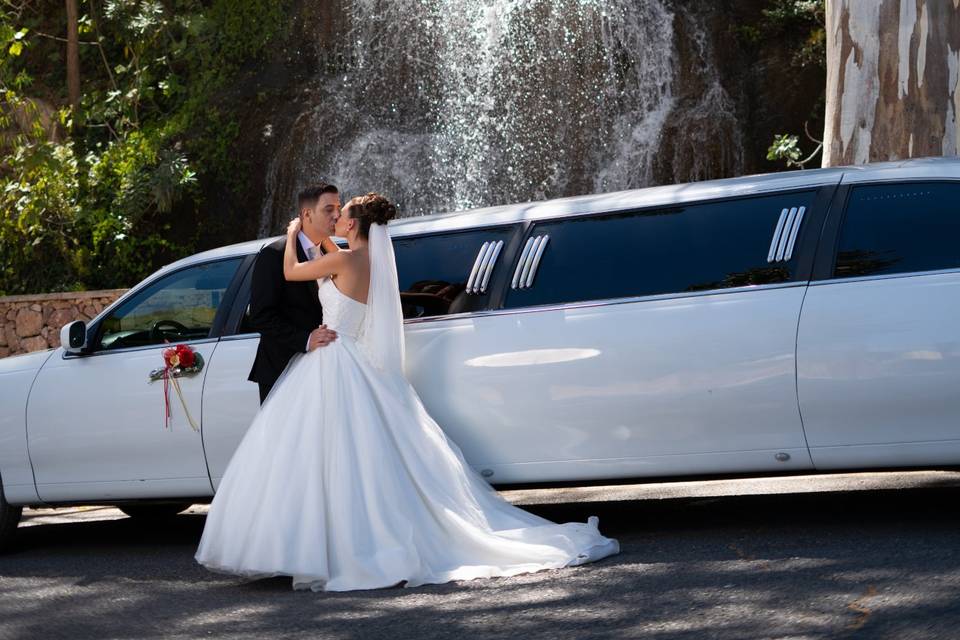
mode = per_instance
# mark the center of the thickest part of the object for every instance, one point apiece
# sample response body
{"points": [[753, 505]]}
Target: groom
{"points": [[288, 315]]}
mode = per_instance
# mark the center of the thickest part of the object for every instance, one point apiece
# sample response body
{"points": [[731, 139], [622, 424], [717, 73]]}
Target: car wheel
{"points": [[160, 511], [9, 519]]}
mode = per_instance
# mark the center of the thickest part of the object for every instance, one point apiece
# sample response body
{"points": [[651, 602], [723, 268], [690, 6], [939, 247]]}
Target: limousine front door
{"points": [[96, 423], [96, 429]]}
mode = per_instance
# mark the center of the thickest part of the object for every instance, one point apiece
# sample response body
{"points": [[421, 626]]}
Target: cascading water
{"points": [[535, 94], [446, 104]]}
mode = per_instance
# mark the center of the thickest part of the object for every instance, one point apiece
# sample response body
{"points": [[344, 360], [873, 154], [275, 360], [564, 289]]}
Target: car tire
{"points": [[159, 511], [9, 519]]}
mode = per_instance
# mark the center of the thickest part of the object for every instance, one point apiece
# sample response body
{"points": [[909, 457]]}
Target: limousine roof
{"points": [[667, 195]]}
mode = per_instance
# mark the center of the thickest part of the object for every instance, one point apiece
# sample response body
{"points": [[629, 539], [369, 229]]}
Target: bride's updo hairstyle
{"points": [[372, 208]]}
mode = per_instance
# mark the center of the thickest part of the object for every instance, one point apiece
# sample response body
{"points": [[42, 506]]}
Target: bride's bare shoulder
{"points": [[354, 258], [355, 254]]}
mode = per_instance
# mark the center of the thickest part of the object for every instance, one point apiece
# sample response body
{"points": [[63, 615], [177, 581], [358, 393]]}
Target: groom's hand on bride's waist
{"points": [[321, 337]]}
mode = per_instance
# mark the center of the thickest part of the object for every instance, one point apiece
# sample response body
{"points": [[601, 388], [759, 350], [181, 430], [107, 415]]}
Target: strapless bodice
{"points": [[341, 313]]}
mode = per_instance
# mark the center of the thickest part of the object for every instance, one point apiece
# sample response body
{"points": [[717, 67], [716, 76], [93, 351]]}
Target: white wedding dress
{"points": [[343, 481]]}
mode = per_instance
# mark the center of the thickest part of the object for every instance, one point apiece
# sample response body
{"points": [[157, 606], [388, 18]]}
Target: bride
{"points": [[343, 481]]}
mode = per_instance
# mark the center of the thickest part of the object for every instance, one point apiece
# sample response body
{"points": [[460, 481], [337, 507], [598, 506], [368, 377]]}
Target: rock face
{"points": [[29, 322], [34, 343], [33, 323], [60, 317], [465, 104]]}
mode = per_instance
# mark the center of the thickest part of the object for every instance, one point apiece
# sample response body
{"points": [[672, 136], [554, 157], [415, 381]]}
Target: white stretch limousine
{"points": [[778, 323]]}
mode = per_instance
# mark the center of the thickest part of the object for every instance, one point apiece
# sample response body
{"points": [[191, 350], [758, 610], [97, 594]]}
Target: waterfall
{"points": [[445, 104]]}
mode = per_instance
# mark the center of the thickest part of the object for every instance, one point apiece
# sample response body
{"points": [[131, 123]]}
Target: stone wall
{"points": [[32, 323]]}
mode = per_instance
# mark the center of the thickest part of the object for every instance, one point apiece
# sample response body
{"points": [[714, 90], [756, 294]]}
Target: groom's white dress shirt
{"points": [[312, 250]]}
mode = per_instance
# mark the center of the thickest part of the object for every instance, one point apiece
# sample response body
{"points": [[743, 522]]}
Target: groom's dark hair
{"points": [[309, 196]]}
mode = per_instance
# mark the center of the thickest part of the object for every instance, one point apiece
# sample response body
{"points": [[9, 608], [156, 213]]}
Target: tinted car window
{"points": [[899, 228], [688, 248], [433, 270], [176, 308]]}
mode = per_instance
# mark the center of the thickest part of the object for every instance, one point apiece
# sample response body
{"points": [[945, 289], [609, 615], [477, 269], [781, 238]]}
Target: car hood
{"points": [[26, 362]]}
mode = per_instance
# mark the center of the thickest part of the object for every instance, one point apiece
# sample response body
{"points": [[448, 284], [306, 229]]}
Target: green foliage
{"points": [[784, 147], [103, 196], [243, 29], [806, 17], [786, 11], [748, 34], [803, 23], [39, 203], [798, 23], [130, 188]]}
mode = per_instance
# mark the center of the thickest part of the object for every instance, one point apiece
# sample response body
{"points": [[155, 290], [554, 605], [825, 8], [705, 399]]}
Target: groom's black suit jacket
{"points": [[284, 313]]}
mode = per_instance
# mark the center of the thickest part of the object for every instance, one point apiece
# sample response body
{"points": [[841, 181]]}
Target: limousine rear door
{"points": [[879, 344], [643, 343]]}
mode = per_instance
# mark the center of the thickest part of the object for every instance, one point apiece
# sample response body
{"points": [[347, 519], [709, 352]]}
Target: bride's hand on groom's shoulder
{"points": [[294, 227]]}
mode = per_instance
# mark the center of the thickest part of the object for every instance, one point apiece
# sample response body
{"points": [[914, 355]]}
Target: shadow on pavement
{"points": [[870, 564]]}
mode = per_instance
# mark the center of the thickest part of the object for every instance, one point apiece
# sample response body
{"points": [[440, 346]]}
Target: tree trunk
{"points": [[893, 80], [73, 55]]}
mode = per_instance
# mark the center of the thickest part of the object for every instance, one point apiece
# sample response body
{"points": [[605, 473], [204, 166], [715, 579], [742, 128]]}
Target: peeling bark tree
{"points": [[73, 55], [893, 80]]}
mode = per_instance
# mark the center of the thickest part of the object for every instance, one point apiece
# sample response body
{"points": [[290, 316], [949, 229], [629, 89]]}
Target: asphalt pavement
{"points": [[843, 556]]}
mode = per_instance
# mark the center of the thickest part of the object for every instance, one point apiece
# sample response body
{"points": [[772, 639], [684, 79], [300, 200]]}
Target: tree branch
{"points": [[802, 163], [806, 130], [105, 125], [19, 8], [59, 39], [103, 56]]}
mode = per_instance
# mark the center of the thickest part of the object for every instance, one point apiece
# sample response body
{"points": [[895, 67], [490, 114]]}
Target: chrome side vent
{"points": [[535, 262], [776, 236], [521, 263], [793, 234], [529, 262], [785, 235], [472, 279], [487, 270], [483, 267]]}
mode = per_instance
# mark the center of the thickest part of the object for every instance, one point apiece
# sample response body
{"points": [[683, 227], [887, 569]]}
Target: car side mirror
{"points": [[73, 337]]}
